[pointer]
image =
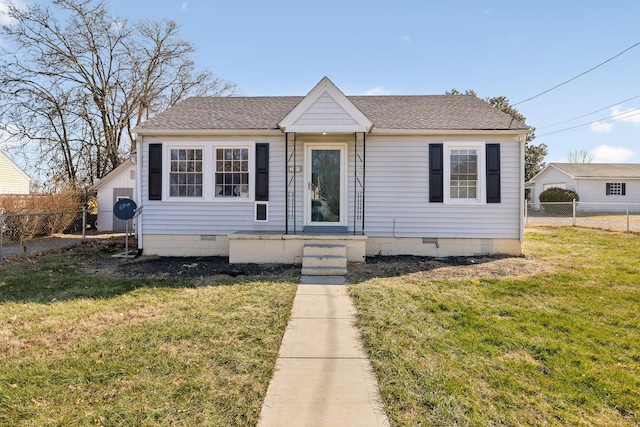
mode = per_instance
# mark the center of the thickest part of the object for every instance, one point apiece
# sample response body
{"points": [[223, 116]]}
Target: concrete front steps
{"points": [[324, 260]]}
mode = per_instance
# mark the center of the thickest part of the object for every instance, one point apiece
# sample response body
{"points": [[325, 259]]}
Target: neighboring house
{"points": [[118, 184], [597, 184], [13, 180], [257, 178]]}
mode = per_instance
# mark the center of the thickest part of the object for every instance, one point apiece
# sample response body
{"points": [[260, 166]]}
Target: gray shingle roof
{"points": [[437, 112], [600, 170]]}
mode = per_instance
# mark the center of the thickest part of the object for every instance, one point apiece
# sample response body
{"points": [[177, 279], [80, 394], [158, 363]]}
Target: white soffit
{"points": [[325, 109]]}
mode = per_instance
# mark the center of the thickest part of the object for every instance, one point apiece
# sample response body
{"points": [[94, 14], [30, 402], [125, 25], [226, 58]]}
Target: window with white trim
{"points": [[232, 173], [185, 175], [464, 173]]}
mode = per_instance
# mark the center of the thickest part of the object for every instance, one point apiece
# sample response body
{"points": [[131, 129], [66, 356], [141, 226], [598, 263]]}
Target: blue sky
{"points": [[496, 48]]}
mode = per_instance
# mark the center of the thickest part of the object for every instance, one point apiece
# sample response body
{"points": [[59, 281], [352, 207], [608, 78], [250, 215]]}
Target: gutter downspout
{"points": [[139, 154], [523, 204]]}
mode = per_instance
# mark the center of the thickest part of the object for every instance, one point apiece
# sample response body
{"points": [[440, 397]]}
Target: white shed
{"points": [[118, 184], [614, 185], [13, 180]]}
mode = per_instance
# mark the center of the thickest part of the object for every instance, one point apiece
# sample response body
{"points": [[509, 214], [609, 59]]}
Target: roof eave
{"points": [[389, 131], [206, 132]]}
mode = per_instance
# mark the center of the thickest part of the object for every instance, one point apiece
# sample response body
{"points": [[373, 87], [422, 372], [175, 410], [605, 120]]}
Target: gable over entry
{"points": [[328, 112], [325, 109]]}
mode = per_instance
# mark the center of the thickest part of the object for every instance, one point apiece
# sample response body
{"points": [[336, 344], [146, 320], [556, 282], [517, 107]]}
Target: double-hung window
{"points": [[232, 173], [185, 176], [464, 173], [463, 183]]}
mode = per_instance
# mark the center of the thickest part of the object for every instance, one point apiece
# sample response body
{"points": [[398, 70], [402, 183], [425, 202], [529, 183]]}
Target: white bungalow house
{"points": [[118, 184], [13, 180], [263, 179], [600, 186]]}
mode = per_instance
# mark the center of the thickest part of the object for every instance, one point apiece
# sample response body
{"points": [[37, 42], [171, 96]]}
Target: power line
{"points": [[579, 75], [588, 114], [590, 123]]}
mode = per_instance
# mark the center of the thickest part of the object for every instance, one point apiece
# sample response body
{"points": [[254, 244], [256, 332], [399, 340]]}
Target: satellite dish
{"points": [[125, 209]]}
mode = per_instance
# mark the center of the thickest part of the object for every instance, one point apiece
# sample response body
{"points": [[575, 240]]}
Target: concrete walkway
{"points": [[323, 376]]}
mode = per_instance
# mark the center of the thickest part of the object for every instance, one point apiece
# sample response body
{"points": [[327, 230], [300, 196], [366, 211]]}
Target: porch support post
{"points": [[358, 182], [286, 183], [295, 173], [290, 183], [355, 182], [364, 166]]}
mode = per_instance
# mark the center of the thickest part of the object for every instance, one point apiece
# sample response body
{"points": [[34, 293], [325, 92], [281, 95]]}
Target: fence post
{"points": [[627, 217], [1, 234], [526, 212], [84, 222], [574, 213]]}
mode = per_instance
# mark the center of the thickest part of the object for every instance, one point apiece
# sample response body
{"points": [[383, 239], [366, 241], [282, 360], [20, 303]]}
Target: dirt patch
{"points": [[186, 267], [211, 268], [496, 266], [157, 267]]}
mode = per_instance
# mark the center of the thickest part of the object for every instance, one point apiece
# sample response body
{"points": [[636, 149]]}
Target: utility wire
{"points": [[588, 114], [595, 121], [579, 75]]}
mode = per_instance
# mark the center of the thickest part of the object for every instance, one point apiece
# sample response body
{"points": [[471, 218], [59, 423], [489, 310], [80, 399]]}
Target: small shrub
{"points": [[553, 200]]}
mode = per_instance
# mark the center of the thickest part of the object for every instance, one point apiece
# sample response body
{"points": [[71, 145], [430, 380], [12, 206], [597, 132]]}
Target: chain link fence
{"points": [[21, 232], [614, 216]]}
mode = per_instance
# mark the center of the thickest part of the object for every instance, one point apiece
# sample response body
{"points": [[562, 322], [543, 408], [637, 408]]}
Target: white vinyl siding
{"points": [[594, 190], [326, 112], [12, 179], [210, 216], [397, 194], [396, 201], [562, 185]]}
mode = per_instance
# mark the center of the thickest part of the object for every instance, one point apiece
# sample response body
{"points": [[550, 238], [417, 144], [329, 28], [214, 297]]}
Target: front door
{"points": [[325, 194]]}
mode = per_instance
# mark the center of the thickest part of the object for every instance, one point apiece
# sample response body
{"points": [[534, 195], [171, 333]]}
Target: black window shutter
{"points": [[608, 189], [436, 173], [493, 173], [624, 189], [155, 171], [262, 172]]}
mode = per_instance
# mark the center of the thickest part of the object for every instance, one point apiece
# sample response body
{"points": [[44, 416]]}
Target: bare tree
{"points": [[76, 80], [580, 156]]}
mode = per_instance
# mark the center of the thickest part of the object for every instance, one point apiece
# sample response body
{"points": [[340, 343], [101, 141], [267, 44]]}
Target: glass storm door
{"points": [[325, 187]]}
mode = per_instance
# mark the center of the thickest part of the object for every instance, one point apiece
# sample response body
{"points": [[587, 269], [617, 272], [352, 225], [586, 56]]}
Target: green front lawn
{"points": [[78, 350], [557, 349], [561, 348]]}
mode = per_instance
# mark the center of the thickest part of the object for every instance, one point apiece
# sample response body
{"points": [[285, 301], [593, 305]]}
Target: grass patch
{"points": [[555, 349], [78, 350]]}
